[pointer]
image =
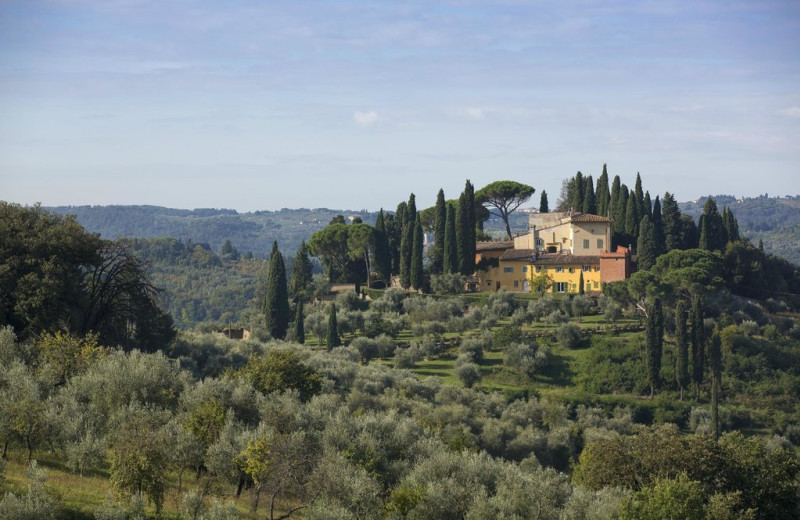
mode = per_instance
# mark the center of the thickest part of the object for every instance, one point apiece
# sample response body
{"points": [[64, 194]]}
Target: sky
{"points": [[269, 104]]}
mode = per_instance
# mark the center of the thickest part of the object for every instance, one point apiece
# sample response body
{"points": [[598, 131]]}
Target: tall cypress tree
{"points": [[470, 233], [682, 344], [395, 243], [648, 206], [461, 227], [301, 272], [543, 207], [276, 303], [632, 218], [332, 337], [731, 225], [602, 193], [698, 346], [416, 276], [450, 260], [577, 195], [383, 259], [620, 208], [407, 244], [715, 353], [589, 198], [613, 202], [299, 325], [654, 332], [658, 227], [713, 236], [439, 218], [646, 245], [638, 194], [671, 216], [581, 284]]}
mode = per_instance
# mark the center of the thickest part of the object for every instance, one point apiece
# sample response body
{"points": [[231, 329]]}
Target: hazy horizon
{"points": [[266, 105]]}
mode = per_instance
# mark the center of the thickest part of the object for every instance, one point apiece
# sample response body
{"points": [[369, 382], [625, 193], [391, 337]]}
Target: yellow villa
{"points": [[561, 245]]}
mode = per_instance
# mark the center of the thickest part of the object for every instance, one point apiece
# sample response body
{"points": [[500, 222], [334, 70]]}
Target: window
{"points": [[560, 287], [571, 269], [599, 243], [587, 268], [508, 269], [559, 269], [596, 285], [516, 283], [524, 268], [586, 243], [597, 269], [539, 243]]}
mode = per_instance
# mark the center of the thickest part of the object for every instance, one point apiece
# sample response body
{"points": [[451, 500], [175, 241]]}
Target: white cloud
{"points": [[475, 113], [365, 119], [790, 112]]}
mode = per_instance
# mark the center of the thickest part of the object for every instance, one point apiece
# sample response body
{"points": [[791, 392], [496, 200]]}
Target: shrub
{"points": [[473, 347], [405, 357], [367, 348], [528, 358], [569, 336], [469, 374], [447, 283], [557, 316]]}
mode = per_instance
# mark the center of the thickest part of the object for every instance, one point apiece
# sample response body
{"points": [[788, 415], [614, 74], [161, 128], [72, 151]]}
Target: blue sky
{"points": [[353, 104]]}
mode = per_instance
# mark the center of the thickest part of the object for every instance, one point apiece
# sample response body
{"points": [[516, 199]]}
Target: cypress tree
{"points": [[470, 235], [713, 236], [671, 217], [299, 325], [543, 208], [602, 193], [332, 338], [730, 224], [632, 217], [276, 303], [638, 195], [301, 272], [690, 234], [620, 208], [589, 198], [581, 284], [654, 333], [682, 345], [396, 241], [461, 229], [698, 346], [407, 244], [658, 227], [416, 275], [577, 195], [439, 220], [648, 206], [383, 259], [613, 203], [646, 245], [715, 352], [450, 260]]}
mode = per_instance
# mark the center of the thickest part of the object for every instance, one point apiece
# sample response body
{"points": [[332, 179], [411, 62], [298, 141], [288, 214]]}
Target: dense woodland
{"points": [[674, 394]]}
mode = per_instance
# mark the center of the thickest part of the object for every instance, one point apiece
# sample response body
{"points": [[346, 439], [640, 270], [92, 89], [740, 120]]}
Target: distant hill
{"points": [[773, 220]]}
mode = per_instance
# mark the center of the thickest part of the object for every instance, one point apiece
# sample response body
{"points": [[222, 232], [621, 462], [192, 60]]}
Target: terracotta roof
{"points": [[493, 246], [518, 254], [588, 217], [562, 259]]}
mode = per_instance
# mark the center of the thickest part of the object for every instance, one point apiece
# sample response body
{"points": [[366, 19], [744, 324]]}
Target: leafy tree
{"points": [[667, 498], [302, 276], [383, 258], [360, 239], [279, 370], [23, 406], [469, 374], [541, 283], [682, 345], [139, 458], [543, 207], [690, 233], [504, 197], [646, 247], [276, 303], [450, 260], [332, 337], [671, 217], [330, 245], [654, 332]]}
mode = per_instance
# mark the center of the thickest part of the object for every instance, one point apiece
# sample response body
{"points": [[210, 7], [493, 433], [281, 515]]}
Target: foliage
{"points": [[280, 370], [504, 197], [276, 302]]}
